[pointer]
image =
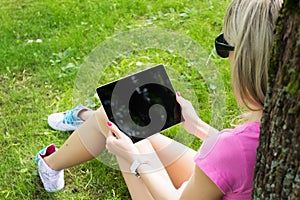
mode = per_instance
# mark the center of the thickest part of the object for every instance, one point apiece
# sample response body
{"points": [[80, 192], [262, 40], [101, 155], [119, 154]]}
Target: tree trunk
{"points": [[277, 171]]}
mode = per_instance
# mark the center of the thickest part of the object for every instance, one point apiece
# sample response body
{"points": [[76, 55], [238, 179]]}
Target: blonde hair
{"points": [[249, 26]]}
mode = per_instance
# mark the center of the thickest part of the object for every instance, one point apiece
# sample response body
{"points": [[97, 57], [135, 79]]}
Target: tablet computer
{"points": [[141, 104]]}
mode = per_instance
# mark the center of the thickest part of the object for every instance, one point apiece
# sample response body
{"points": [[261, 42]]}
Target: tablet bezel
{"points": [[157, 78]]}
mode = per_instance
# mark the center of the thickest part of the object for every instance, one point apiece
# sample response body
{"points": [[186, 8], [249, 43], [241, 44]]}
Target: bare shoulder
{"points": [[201, 187]]}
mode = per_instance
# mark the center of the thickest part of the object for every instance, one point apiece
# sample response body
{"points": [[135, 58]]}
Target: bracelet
{"points": [[133, 168]]}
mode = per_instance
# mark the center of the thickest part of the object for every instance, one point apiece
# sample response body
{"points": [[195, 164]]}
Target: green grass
{"points": [[37, 78]]}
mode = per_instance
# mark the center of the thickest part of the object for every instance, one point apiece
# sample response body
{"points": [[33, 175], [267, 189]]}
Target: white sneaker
{"points": [[66, 121], [52, 180]]}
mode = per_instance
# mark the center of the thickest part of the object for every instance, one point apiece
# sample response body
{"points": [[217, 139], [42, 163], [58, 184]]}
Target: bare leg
{"points": [[88, 141], [174, 155], [136, 186], [180, 169], [177, 158], [138, 190], [74, 151]]}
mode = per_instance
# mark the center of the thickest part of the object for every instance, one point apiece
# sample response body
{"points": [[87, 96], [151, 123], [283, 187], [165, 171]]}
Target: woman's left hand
{"points": [[120, 144]]}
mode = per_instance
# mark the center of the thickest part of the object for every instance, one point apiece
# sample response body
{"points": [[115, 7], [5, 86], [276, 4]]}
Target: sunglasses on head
{"points": [[222, 46]]}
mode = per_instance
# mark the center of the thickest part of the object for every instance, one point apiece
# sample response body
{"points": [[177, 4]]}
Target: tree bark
{"points": [[277, 171]]}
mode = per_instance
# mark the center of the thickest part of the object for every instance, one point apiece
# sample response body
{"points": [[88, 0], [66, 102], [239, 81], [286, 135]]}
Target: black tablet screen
{"points": [[141, 104]]}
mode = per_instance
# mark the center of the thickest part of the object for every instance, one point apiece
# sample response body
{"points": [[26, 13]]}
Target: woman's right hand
{"points": [[192, 123], [120, 144]]}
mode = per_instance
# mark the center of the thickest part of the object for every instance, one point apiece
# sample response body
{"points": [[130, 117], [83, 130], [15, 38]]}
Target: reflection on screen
{"points": [[142, 104]]}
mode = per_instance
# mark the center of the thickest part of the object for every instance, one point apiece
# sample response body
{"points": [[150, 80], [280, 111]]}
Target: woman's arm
{"points": [[151, 170], [153, 173], [158, 183], [192, 123], [199, 186]]}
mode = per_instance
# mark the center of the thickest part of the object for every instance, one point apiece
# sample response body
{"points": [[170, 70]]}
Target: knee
{"points": [[100, 111], [101, 115], [102, 119]]}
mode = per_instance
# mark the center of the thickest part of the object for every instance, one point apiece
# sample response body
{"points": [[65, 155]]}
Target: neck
{"points": [[254, 116]]}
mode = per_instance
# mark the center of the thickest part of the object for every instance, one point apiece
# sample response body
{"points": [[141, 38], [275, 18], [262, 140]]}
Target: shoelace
{"points": [[69, 118]]}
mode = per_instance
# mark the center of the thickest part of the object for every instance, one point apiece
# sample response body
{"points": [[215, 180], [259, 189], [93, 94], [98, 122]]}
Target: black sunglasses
{"points": [[222, 46]]}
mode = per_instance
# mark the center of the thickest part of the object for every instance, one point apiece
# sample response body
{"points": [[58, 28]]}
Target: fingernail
{"points": [[178, 94], [109, 123]]}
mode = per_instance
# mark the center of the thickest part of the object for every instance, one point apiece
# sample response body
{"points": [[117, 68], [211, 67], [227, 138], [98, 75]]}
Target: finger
{"points": [[110, 134], [114, 146], [182, 101], [178, 98], [110, 139], [115, 130], [111, 145]]}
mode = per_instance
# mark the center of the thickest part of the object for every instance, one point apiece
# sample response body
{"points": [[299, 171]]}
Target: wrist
{"points": [[204, 131], [132, 156], [134, 167], [145, 164], [201, 129]]}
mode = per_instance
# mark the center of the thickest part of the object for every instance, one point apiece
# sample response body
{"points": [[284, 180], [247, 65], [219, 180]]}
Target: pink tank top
{"points": [[228, 159]]}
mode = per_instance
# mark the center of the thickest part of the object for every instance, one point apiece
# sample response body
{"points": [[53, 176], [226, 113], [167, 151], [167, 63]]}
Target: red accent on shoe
{"points": [[50, 150]]}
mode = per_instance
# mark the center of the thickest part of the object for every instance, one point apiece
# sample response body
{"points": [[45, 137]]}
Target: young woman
{"points": [[160, 168]]}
